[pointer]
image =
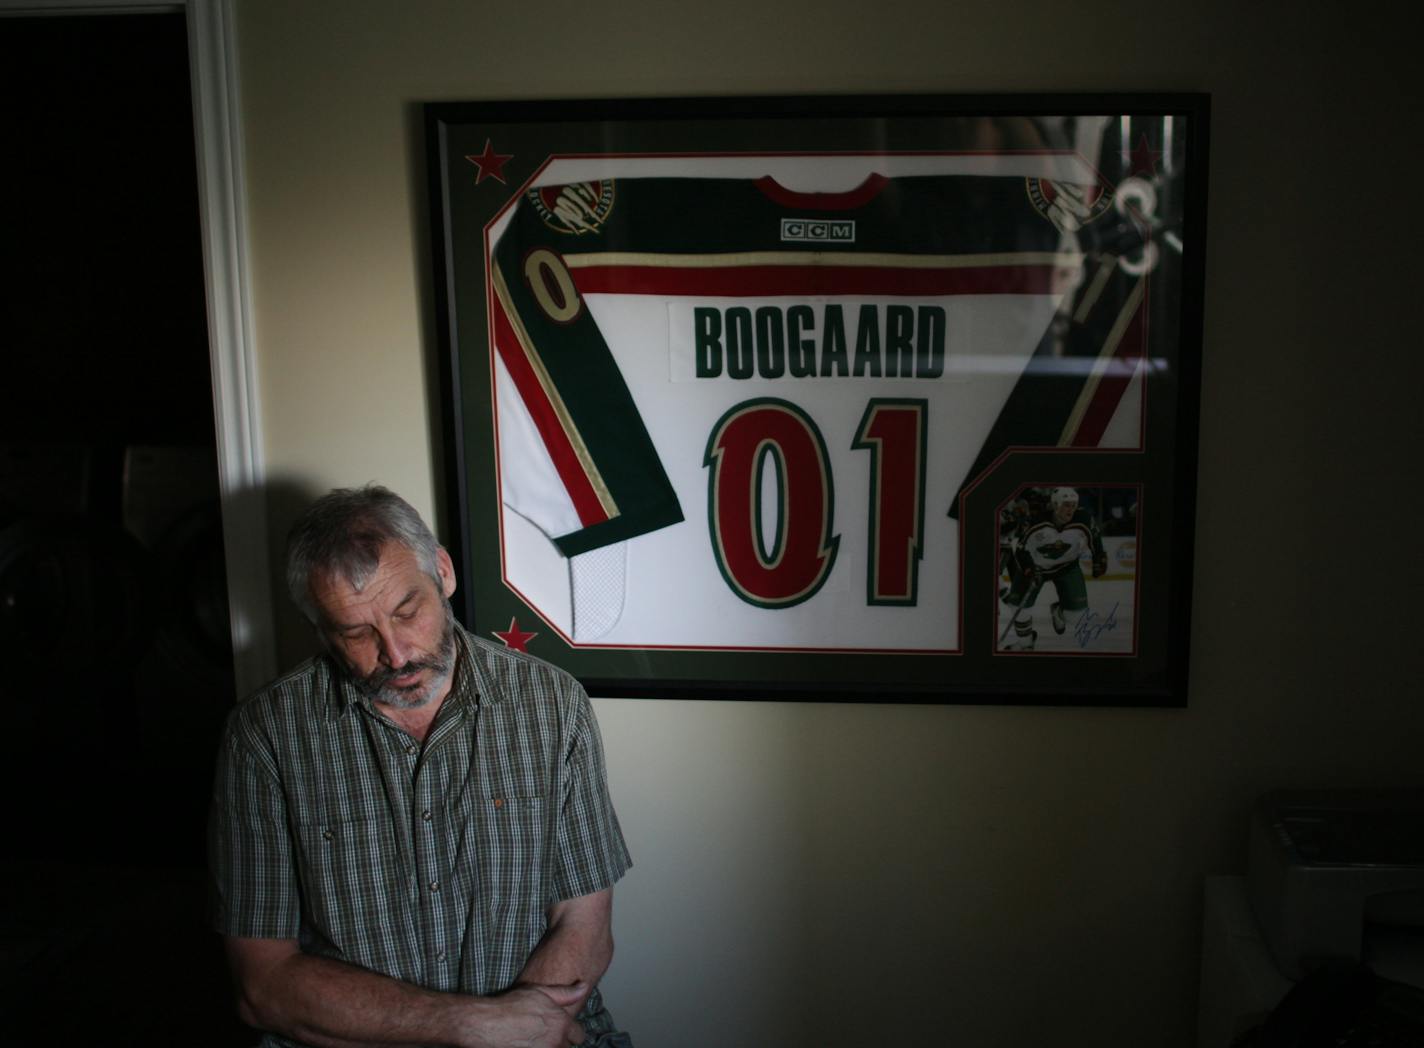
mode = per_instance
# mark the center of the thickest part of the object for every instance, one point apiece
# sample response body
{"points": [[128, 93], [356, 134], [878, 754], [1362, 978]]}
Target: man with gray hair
{"points": [[412, 841]]}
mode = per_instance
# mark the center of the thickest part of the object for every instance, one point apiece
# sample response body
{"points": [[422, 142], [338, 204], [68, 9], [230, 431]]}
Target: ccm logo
{"points": [[798, 229]]}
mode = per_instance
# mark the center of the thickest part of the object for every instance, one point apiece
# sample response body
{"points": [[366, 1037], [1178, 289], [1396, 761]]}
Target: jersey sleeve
{"points": [[606, 482], [1073, 392]]}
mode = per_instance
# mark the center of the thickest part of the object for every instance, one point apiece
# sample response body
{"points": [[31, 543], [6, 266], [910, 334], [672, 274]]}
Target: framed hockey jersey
{"points": [[874, 399]]}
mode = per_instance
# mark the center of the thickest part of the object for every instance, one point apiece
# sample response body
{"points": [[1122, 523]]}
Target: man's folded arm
{"points": [[329, 1004], [576, 949]]}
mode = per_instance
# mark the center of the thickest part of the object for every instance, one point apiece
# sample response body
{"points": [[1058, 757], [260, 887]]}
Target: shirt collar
{"points": [[473, 673], [464, 690]]}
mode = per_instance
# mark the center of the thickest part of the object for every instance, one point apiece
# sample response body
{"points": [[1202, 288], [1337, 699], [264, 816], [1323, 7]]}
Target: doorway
{"points": [[113, 606]]}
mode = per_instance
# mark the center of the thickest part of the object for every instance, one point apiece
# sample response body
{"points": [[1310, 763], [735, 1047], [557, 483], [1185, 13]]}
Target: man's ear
{"points": [[445, 568]]}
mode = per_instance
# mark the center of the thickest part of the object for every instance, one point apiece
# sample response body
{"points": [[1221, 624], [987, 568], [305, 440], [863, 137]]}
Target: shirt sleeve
{"points": [[250, 853], [591, 852]]}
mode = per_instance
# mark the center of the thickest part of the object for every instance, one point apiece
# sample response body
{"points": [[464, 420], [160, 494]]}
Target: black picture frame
{"points": [[965, 330]]}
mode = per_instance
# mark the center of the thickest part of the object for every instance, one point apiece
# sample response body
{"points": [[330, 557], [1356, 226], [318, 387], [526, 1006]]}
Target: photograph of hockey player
{"points": [[1051, 541]]}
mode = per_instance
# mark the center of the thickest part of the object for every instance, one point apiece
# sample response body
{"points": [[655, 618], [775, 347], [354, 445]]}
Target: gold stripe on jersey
{"points": [[1102, 363], [1095, 288], [884, 260], [561, 411]]}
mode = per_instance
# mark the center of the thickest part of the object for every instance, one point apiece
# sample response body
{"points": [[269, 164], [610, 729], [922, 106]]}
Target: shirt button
{"points": [[327, 835], [426, 815], [439, 955], [435, 886], [412, 750]]}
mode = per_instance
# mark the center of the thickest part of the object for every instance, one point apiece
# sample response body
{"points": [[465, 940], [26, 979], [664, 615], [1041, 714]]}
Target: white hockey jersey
{"points": [[723, 406]]}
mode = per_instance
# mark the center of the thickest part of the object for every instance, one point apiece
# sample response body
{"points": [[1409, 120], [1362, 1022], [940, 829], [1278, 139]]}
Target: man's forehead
{"points": [[396, 577]]}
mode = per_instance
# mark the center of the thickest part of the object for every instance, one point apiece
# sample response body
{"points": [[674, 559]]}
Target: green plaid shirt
{"points": [[432, 864]]}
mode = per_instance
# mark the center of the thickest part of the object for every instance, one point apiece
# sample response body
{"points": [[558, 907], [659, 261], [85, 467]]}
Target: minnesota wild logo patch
{"points": [[581, 207], [1068, 205]]}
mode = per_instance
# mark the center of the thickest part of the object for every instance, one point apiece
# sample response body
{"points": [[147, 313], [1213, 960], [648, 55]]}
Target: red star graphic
{"points": [[514, 637], [1143, 158], [490, 163]]}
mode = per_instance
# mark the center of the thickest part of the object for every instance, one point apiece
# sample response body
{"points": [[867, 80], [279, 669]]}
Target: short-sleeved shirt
{"points": [[430, 863]]}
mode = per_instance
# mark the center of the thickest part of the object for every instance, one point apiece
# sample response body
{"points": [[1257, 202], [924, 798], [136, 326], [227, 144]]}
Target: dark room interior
{"points": [[112, 589]]}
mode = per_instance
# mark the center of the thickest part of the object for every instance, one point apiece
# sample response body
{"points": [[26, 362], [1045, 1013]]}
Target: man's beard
{"points": [[377, 686]]}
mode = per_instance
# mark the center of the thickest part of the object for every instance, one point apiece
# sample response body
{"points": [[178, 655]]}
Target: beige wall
{"points": [[836, 874]]}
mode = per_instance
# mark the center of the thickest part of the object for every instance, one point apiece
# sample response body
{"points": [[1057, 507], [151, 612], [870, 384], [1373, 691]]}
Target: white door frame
{"points": [[217, 127]]}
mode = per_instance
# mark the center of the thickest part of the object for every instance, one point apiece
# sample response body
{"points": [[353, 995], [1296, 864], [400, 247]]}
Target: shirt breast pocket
{"points": [[514, 859]]}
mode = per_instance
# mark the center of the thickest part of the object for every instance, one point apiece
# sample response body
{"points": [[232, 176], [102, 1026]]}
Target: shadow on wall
{"points": [[286, 499]]}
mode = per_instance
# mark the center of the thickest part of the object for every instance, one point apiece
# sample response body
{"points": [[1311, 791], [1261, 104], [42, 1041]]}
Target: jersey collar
{"points": [[847, 201]]}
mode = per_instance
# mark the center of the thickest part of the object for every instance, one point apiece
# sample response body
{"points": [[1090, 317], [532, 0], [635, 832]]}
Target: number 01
{"points": [[793, 563]]}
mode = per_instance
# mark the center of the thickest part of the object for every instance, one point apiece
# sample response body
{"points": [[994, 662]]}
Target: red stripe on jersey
{"points": [[546, 420], [752, 281], [1131, 349]]}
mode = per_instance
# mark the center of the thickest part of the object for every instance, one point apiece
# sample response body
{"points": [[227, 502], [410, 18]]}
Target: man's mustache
{"points": [[378, 678]]}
